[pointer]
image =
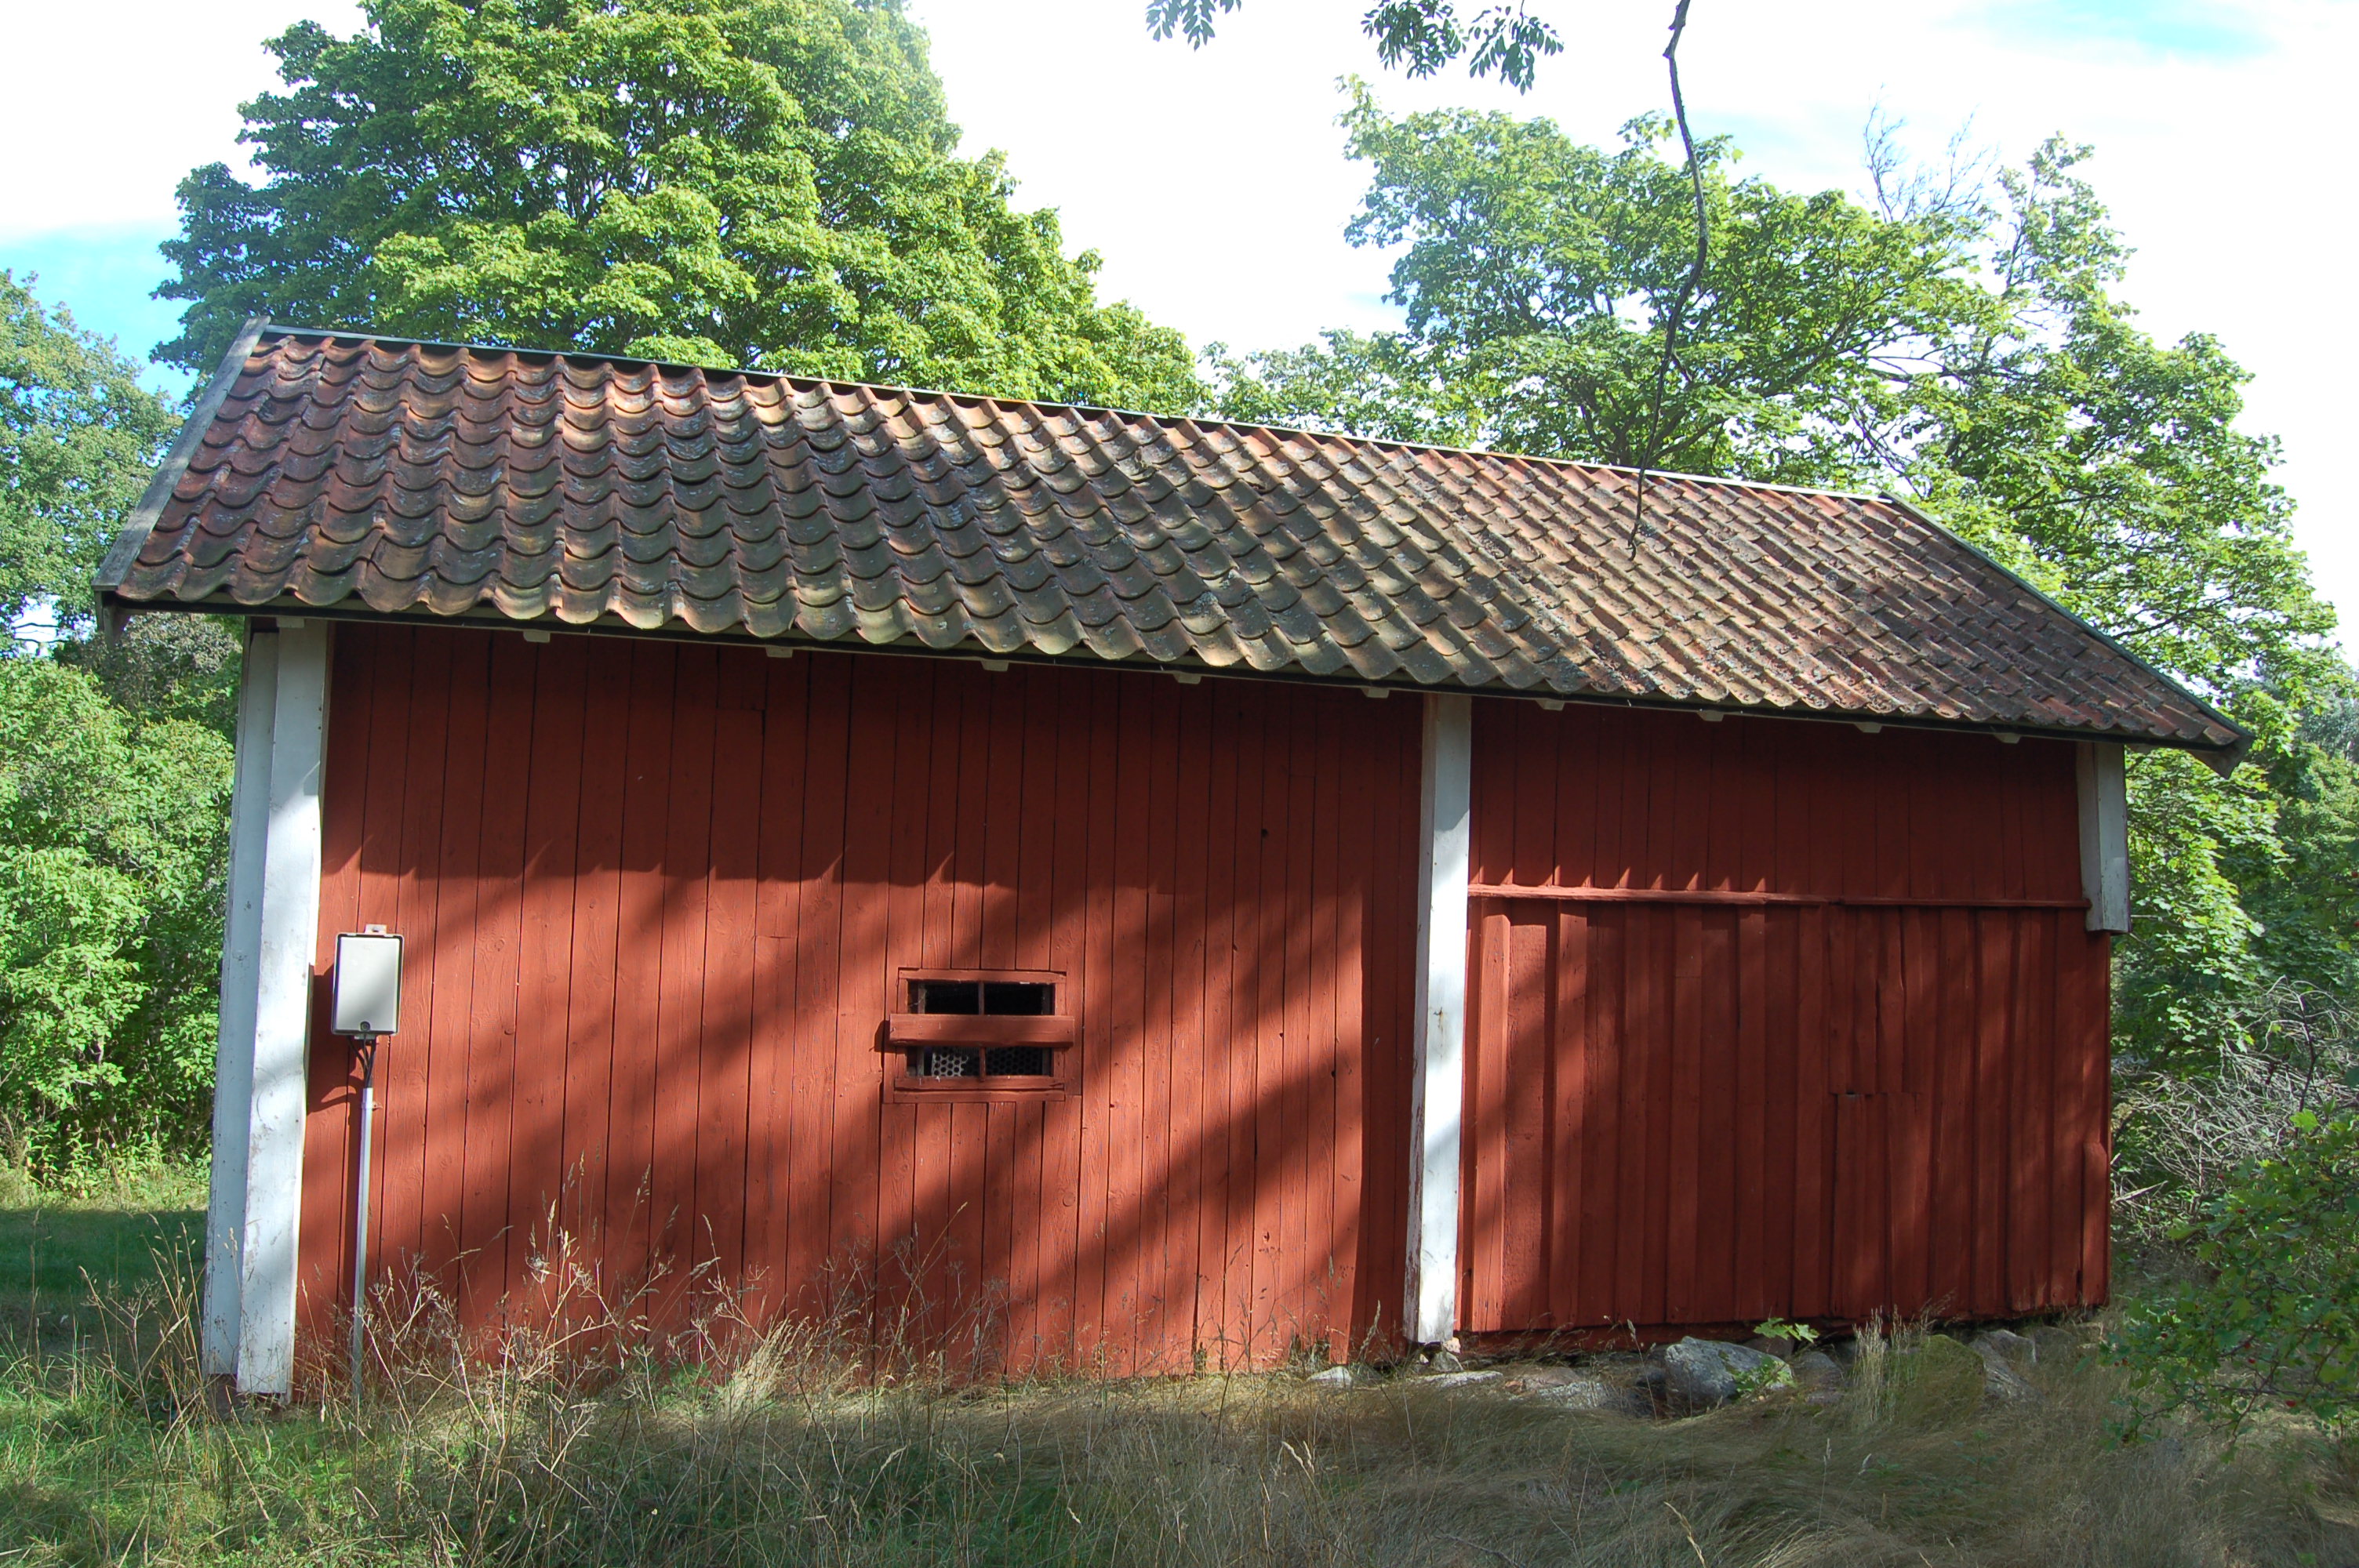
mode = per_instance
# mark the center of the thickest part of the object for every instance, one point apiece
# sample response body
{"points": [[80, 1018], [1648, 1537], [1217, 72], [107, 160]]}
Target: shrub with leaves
{"points": [[112, 850], [2275, 1319]]}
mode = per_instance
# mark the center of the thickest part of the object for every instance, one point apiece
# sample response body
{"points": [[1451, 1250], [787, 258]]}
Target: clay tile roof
{"points": [[372, 477]]}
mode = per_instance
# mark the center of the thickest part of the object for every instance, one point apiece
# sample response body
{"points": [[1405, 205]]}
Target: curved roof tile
{"points": [[373, 476]]}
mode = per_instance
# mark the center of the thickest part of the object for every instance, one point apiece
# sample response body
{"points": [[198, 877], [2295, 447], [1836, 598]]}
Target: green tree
{"points": [[112, 848], [1536, 274], [767, 183], [79, 436]]}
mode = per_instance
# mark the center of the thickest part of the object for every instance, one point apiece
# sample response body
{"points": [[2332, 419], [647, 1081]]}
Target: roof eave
{"points": [[2220, 759], [142, 522]]}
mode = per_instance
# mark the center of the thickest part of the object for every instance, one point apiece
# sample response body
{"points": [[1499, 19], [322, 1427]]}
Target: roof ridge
{"points": [[1209, 421]]}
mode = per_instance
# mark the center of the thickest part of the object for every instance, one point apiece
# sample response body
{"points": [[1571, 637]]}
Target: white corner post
{"points": [[234, 1048], [2104, 834], [268, 943], [1438, 1076]]}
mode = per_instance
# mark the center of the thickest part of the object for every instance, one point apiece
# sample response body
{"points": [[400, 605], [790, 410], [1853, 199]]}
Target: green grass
{"points": [[55, 1246], [790, 1450]]}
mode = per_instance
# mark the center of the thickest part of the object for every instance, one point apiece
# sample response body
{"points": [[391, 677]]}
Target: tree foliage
{"points": [[767, 183], [1420, 36], [2273, 1320], [77, 438], [112, 848]]}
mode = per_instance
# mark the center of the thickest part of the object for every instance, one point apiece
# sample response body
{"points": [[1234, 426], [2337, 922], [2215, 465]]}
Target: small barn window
{"points": [[974, 1035]]}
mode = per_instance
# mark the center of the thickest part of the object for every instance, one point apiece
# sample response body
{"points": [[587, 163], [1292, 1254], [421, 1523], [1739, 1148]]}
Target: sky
{"points": [[1213, 184]]}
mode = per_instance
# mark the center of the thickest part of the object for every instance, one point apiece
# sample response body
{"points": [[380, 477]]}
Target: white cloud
{"points": [[1213, 183]]}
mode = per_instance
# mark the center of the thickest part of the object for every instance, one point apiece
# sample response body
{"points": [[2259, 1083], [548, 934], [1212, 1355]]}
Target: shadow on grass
{"points": [[56, 1249]]}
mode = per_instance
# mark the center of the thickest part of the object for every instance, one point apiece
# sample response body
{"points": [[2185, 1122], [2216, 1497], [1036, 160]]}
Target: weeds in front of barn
{"points": [[582, 1444]]}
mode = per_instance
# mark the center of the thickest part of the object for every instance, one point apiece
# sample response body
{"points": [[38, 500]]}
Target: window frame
{"points": [[902, 1032]]}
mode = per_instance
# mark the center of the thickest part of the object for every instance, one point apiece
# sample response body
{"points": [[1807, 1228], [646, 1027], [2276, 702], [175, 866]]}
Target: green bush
{"points": [[2274, 1318], [113, 846]]}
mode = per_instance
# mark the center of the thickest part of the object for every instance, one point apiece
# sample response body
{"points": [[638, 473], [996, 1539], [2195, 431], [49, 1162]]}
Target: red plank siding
{"points": [[1685, 1109], [655, 899]]}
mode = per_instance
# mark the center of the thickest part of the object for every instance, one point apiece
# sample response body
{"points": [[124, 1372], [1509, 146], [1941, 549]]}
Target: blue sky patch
{"points": [[2187, 29], [104, 276]]}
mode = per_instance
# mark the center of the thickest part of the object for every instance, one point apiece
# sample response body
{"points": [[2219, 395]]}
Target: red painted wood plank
{"points": [[1607, 1221], [1356, 765], [2032, 1088], [456, 896], [775, 1038], [857, 1235], [1813, 1117], [487, 1226], [914, 1199], [552, 869], [1167, 1305], [1995, 976], [1658, 1039], [814, 1099], [1192, 1264], [1325, 982], [1092, 1318], [1748, 1287], [1782, 1145], [679, 986], [727, 1032], [1568, 1090], [1226, 1246], [594, 962], [1025, 748], [1684, 1300], [1525, 1094], [1263, 1091], [1128, 1280], [1644, 1197], [1950, 1280], [1068, 707]]}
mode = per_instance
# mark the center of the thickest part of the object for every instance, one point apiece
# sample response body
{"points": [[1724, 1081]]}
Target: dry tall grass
{"points": [[586, 1445]]}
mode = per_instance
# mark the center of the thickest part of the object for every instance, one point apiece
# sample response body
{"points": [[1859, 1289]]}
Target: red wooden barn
{"points": [[1134, 893]]}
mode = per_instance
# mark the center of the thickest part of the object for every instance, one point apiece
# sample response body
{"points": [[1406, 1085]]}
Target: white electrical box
{"points": [[368, 982]]}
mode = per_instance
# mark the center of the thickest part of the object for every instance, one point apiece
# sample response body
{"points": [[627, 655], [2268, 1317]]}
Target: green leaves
{"points": [[78, 436], [769, 184], [2275, 1320], [1536, 274], [113, 852]]}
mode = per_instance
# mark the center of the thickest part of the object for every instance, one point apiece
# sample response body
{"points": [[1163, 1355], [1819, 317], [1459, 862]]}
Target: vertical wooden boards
{"points": [[1878, 1090], [661, 896]]}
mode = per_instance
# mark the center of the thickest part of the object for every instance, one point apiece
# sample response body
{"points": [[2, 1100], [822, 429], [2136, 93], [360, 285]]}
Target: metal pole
{"points": [[367, 1049]]}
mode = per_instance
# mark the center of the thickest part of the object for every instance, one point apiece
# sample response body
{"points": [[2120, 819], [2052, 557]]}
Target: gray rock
{"points": [[1586, 1391], [1771, 1345], [1342, 1376], [1707, 1372], [1816, 1371], [1843, 1351], [2002, 1379], [2007, 1345], [1459, 1380]]}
